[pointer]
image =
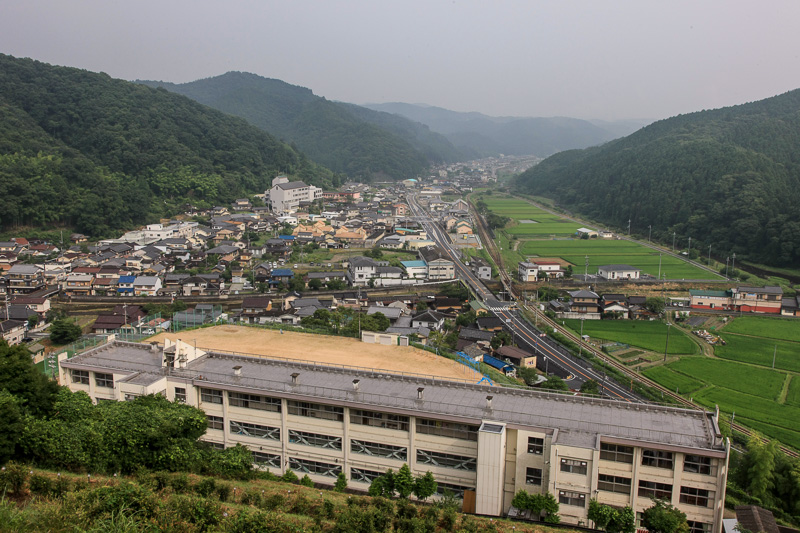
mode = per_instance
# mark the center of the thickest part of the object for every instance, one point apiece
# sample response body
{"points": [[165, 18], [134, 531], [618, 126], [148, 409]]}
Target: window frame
{"points": [[531, 476], [695, 496], [614, 483], [453, 430], [654, 490], [101, 379], [617, 453], [447, 460], [256, 431], [266, 459], [315, 410], [536, 445], [376, 449], [699, 464], [214, 421], [319, 468], [254, 401], [180, 394], [316, 440], [573, 466], [80, 376], [211, 396], [658, 459], [378, 419], [569, 497]]}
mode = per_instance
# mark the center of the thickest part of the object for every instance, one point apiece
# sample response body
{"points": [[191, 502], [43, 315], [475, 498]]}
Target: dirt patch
{"points": [[321, 348]]}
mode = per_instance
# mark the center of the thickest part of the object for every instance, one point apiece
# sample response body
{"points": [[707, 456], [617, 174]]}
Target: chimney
{"points": [[153, 346], [489, 401], [355, 384], [294, 378], [420, 392], [237, 370]]}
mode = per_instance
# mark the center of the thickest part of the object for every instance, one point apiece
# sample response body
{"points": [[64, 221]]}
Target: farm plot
{"points": [[672, 380], [759, 351], [643, 334], [605, 252], [769, 417], [793, 396], [736, 377], [772, 328]]}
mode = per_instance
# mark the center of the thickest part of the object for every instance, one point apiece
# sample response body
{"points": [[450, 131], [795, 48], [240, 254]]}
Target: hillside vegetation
{"points": [[728, 177], [360, 142], [98, 154]]}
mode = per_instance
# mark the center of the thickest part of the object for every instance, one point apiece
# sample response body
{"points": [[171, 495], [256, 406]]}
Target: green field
{"points": [[672, 380], [650, 335], [537, 241], [745, 379], [793, 397], [759, 351], [787, 329]]}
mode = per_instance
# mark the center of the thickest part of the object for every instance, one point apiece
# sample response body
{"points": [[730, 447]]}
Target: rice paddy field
{"points": [[674, 381], [650, 335], [543, 234], [787, 329]]}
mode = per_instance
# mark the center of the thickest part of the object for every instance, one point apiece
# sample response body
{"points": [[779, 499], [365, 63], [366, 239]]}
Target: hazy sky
{"points": [[603, 59]]}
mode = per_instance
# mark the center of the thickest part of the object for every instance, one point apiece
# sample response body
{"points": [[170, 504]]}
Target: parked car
{"points": [[295, 265]]}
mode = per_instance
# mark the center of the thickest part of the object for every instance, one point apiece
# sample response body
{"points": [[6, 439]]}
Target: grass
{"points": [[759, 382], [759, 351], [650, 335], [672, 380], [793, 397], [787, 329]]}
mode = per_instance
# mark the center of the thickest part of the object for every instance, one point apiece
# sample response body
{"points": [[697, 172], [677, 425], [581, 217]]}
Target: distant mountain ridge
{"points": [[480, 135], [728, 178], [100, 154], [360, 142]]}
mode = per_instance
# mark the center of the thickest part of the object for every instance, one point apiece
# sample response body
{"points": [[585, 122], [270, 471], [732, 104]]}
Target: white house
{"points": [[618, 272]]}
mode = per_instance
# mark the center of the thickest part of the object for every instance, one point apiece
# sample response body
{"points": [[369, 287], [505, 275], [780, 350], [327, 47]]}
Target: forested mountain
{"points": [[479, 135], [727, 177], [98, 154], [362, 143]]}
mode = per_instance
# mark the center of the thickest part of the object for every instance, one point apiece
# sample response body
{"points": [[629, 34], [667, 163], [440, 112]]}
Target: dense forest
{"points": [[478, 135], [360, 142], [729, 178], [97, 154]]}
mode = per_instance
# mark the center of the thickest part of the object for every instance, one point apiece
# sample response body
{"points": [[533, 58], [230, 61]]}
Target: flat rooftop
{"points": [[579, 420]]}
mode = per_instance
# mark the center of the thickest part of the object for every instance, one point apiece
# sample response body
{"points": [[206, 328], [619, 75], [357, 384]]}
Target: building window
{"points": [[535, 445], [446, 460], [651, 489], [576, 499], [180, 395], [614, 483], [253, 401], [315, 410], [533, 476], [699, 464], [362, 475], [378, 420], [104, 380], [215, 422], [254, 430], [616, 453], [80, 376], [379, 450], [699, 527], [315, 439], [447, 429], [215, 445], [573, 466], [266, 459], [699, 497], [455, 490], [211, 396], [657, 458], [314, 467], [130, 397]]}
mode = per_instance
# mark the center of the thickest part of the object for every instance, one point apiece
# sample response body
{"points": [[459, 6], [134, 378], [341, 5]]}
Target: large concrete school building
{"points": [[487, 442]]}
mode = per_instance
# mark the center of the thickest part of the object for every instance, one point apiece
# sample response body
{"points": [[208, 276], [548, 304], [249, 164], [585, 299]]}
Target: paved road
{"points": [[551, 356]]}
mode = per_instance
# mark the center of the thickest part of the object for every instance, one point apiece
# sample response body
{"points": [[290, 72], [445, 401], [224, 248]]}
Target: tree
{"points": [[422, 306], [757, 468], [425, 486], [501, 338], [466, 319], [591, 387], [64, 331], [262, 287], [610, 519], [383, 485], [536, 503], [664, 518], [336, 284], [528, 374], [33, 320], [34, 393], [315, 284], [10, 425], [404, 482], [297, 284], [655, 305], [341, 482], [306, 481], [554, 383]]}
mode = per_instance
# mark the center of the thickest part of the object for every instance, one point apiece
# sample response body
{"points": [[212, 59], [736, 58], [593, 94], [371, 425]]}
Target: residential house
{"points": [[517, 356], [147, 286], [439, 267], [528, 272], [417, 269], [39, 304], [25, 279], [585, 303], [281, 275], [12, 331], [254, 308], [617, 272], [757, 299], [125, 285], [481, 268], [79, 285], [431, 320]]}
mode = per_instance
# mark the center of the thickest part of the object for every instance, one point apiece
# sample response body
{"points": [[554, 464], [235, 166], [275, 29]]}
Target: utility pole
{"points": [[673, 242], [733, 263], [585, 267], [580, 341], [689, 249], [774, 354], [659, 266], [666, 346], [727, 260], [709, 256], [629, 227], [650, 232]]}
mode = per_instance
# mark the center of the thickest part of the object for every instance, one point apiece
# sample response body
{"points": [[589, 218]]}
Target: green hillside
{"points": [[728, 177], [98, 154], [361, 142]]}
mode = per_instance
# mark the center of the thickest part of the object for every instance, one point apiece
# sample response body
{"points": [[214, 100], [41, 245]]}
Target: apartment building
{"points": [[492, 441], [285, 196]]}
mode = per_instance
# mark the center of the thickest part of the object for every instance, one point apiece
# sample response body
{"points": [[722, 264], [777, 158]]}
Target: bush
{"points": [[161, 480], [180, 483], [289, 477], [13, 478], [203, 512], [224, 492], [274, 501], [341, 482], [306, 481], [252, 497], [301, 505], [40, 485], [206, 487], [449, 519]]}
